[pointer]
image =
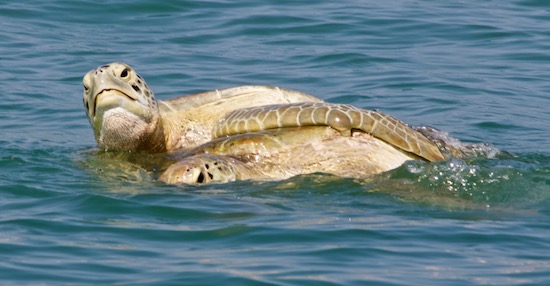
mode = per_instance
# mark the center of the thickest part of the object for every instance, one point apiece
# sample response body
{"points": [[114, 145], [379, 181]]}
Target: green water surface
{"points": [[476, 69]]}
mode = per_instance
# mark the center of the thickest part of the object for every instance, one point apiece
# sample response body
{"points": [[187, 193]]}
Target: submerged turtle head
{"points": [[121, 108]]}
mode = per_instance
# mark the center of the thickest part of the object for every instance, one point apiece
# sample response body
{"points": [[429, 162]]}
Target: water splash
{"points": [[455, 148], [478, 182], [458, 178]]}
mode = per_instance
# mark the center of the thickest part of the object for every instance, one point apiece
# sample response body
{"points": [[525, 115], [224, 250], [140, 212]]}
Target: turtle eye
{"points": [[86, 88], [124, 73]]}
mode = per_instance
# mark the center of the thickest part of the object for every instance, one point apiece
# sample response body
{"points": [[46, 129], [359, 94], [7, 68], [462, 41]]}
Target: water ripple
{"points": [[72, 215]]}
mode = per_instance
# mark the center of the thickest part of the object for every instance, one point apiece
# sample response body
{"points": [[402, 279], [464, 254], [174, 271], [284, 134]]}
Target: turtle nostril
{"points": [[86, 105], [200, 178]]}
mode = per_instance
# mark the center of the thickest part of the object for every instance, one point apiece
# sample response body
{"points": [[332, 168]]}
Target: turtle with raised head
{"points": [[125, 115], [269, 130]]}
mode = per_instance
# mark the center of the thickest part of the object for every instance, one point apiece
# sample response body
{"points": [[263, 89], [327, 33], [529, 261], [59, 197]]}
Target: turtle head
{"points": [[121, 108]]}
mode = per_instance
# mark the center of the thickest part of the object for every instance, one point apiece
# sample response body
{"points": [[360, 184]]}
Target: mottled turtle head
{"points": [[121, 108]]}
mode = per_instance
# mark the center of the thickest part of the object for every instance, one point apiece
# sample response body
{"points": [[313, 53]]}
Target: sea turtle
{"points": [[263, 132], [279, 141], [277, 154], [125, 115], [280, 153]]}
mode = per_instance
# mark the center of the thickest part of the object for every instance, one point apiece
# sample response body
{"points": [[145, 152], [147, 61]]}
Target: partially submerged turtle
{"points": [[279, 141], [277, 154], [263, 132]]}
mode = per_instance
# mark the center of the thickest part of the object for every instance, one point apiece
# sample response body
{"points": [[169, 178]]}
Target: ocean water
{"points": [[478, 70]]}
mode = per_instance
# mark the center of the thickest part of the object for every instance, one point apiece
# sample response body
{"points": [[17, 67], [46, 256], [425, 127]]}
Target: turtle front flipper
{"points": [[203, 169], [341, 117]]}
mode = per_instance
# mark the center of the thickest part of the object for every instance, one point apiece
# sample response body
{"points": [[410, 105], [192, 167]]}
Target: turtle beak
{"points": [[105, 92]]}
